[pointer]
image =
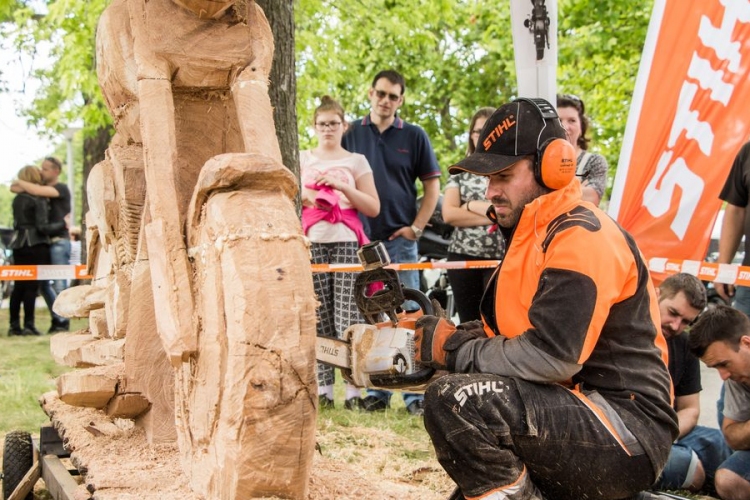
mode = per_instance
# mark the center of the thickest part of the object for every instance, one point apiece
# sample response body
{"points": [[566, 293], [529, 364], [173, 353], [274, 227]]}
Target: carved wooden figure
{"points": [[212, 256]]}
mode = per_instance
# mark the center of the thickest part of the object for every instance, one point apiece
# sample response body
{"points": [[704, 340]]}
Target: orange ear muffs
{"points": [[556, 164]]}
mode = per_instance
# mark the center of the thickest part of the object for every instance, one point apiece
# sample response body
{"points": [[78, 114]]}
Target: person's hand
{"points": [[430, 336], [330, 181], [437, 340], [403, 232], [437, 309], [725, 291]]}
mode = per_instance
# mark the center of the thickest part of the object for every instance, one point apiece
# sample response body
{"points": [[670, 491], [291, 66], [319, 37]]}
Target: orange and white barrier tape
{"points": [[411, 266], [11, 273], [29, 273], [731, 274]]}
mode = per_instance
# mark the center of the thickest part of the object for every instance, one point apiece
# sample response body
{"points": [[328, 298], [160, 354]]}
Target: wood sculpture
{"points": [[197, 251]]}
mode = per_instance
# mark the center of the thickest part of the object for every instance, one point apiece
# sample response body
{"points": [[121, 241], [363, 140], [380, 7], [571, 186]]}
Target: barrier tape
{"points": [[28, 273], [411, 266], [731, 274], [41, 273]]}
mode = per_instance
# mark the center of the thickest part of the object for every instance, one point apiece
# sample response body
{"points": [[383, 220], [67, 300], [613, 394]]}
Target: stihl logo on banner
{"points": [[687, 121], [18, 272]]}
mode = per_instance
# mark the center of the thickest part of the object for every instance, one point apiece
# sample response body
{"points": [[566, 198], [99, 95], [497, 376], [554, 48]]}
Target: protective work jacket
{"points": [[572, 304]]}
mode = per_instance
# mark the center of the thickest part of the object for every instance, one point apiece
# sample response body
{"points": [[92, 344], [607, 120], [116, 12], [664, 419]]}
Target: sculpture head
{"points": [[206, 9]]}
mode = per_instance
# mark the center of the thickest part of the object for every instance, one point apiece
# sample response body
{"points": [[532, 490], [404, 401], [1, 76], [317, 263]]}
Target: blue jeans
{"points": [[401, 250], [709, 446], [739, 463], [59, 255]]}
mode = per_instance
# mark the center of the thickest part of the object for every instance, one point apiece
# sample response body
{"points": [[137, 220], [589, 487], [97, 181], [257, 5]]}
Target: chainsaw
{"points": [[379, 353]]}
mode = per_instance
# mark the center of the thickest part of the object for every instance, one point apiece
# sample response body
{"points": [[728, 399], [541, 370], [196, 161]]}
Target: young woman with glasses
{"points": [[464, 207], [592, 167], [336, 187]]}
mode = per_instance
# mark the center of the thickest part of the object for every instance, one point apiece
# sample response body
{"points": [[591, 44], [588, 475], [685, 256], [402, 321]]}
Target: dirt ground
{"points": [[117, 463]]}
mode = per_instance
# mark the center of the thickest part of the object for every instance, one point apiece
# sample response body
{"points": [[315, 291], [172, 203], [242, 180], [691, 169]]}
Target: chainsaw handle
{"points": [[421, 299]]}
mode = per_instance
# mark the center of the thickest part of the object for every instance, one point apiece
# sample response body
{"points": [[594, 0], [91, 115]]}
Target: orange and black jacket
{"points": [[572, 304]]}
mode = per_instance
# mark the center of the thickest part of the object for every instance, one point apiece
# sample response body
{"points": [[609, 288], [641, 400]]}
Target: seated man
{"points": [[721, 339], [561, 391], [699, 450]]}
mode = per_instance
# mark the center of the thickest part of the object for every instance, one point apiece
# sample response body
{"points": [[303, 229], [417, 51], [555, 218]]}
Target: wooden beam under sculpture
{"points": [[212, 257]]}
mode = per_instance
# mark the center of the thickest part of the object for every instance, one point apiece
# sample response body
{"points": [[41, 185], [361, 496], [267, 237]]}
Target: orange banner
{"points": [[688, 119]]}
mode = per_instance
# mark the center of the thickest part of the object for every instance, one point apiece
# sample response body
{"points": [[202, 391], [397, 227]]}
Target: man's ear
{"points": [[745, 341], [658, 292]]}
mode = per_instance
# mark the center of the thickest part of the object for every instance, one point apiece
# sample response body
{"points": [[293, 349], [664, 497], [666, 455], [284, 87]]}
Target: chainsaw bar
{"points": [[334, 352]]}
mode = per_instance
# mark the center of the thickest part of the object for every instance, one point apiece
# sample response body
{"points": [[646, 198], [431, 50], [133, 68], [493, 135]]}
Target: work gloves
{"points": [[437, 340]]}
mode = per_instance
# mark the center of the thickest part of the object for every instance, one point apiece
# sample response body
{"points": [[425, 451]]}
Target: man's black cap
{"points": [[514, 131]]}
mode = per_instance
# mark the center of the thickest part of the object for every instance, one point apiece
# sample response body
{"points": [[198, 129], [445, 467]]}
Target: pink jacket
{"points": [[326, 197]]}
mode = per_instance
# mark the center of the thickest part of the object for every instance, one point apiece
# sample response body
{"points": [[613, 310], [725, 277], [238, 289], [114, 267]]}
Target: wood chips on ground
{"points": [[116, 462]]}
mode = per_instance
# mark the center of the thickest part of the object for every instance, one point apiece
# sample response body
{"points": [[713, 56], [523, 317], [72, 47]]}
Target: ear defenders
{"points": [[555, 160]]}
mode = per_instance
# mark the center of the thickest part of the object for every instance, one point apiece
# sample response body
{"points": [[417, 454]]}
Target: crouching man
{"points": [[562, 390], [721, 339]]}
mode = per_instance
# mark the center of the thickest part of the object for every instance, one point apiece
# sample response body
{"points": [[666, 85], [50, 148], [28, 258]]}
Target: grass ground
{"points": [[27, 371]]}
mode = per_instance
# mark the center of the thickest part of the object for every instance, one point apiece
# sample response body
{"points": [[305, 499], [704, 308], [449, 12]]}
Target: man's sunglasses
{"points": [[391, 97]]}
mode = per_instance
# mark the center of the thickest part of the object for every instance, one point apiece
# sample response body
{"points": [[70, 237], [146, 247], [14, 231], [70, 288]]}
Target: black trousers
{"points": [[489, 431], [25, 292], [468, 286]]}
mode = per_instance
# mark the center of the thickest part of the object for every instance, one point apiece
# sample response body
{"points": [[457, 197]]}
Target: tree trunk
{"points": [[283, 89]]}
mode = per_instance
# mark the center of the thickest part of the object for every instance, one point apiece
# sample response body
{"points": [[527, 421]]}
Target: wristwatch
{"points": [[417, 232]]}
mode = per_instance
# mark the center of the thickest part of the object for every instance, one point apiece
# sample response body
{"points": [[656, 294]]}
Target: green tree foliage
{"points": [[457, 56], [6, 202], [600, 45], [69, 89]]}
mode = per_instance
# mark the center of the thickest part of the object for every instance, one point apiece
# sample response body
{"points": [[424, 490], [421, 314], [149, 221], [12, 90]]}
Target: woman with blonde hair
{"points": [[30, 245], [336, 187]]}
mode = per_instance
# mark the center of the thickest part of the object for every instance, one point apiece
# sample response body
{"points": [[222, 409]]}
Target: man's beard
{"points": [[511, 219], [668, 332]]}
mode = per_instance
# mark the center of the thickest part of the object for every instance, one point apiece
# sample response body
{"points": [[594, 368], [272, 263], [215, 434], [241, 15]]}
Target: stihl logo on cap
{"points": [[499, 130]]}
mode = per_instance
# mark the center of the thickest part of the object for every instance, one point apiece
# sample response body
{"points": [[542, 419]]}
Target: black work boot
{"points": [[15, 329], [59, 326], [30, 329]]}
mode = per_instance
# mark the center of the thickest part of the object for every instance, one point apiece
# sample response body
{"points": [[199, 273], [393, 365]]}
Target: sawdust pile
{"points": [[352, 462]]}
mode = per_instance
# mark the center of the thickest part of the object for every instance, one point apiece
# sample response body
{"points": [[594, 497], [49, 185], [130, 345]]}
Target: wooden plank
{"points": [[27, 483], [57, 478], [93, 387], [127, 406], [66, 347]]}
